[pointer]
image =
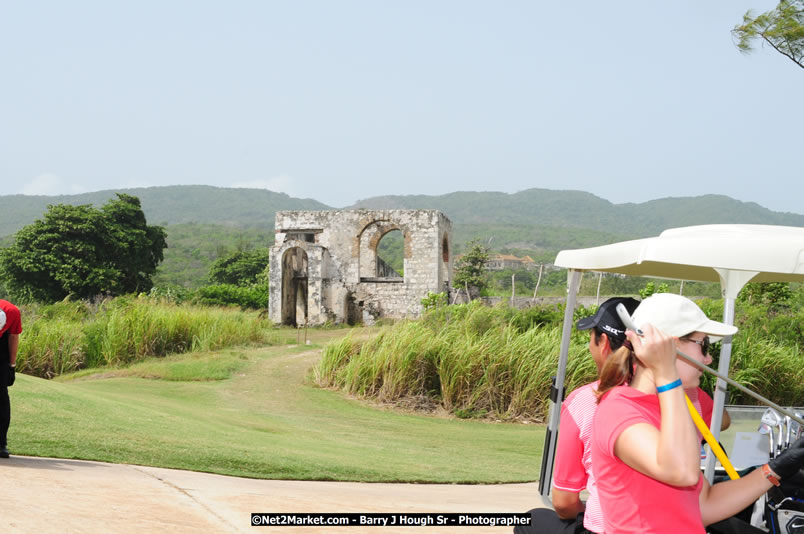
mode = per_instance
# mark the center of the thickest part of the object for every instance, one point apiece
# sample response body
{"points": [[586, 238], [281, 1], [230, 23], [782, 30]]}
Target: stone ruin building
{"points": [[324, 265]]}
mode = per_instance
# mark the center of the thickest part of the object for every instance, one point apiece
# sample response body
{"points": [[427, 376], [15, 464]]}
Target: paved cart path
{"points": [[72, 496]]}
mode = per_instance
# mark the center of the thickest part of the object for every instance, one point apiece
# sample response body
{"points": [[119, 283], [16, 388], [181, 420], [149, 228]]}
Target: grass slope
{"points": [[263, 421]]}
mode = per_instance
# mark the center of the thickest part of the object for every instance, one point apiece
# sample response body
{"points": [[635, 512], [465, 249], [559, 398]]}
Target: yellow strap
{"points": [[710, 439]]}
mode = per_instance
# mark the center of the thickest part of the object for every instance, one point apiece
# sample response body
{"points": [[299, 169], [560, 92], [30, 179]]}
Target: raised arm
{"points": [[670, 454]]}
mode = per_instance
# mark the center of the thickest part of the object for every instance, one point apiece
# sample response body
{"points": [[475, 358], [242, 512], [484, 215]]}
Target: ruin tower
{"points": [[324, 265]]}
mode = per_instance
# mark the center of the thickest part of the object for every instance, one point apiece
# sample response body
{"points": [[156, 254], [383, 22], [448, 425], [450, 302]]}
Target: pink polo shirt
{"points": [[633, 502]]}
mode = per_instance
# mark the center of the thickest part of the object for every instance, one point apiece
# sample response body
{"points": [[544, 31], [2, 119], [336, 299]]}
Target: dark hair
{"points": [[618, 370], [614, 343]]}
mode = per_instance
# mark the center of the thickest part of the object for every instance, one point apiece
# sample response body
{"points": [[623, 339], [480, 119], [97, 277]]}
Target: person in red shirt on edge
{"points": [[645, 449], [10, 330]]}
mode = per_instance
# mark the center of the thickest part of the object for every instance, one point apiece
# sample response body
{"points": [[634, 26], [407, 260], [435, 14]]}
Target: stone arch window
{"points": [[372, 263], [391, 255]]}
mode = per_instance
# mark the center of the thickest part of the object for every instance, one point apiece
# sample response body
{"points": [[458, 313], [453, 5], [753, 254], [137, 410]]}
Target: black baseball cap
{"points": [[606, 319]]}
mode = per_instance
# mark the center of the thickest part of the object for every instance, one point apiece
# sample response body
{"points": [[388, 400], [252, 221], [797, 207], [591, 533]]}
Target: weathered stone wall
{"points": [[343, 282]]}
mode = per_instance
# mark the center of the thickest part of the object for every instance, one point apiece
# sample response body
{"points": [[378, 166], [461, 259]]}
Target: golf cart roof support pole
{"points": [[731, 282], [557, 394], [720, 389]]}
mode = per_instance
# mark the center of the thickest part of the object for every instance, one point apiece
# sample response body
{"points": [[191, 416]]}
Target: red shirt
{"points": [[13, 320], [633, 502]]}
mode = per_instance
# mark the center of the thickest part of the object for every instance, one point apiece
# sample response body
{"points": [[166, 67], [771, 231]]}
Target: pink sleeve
{"points": [[569, 473], [614, 415]]}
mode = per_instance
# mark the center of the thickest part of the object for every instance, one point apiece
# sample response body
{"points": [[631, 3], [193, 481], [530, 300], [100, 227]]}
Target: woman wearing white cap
{"points": [[645, 449]]}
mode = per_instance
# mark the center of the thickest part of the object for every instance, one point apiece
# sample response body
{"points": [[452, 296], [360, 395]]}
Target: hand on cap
{"points": [[656, 350]]}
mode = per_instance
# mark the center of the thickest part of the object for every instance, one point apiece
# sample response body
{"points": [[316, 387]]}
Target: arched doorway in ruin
{"points": [[294, 286]]}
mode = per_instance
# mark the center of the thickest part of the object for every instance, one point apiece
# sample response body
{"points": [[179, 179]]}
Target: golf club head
{"points": [[770, 417]]}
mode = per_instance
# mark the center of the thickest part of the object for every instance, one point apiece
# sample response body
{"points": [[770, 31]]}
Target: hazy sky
{"points": [[341, 100]]}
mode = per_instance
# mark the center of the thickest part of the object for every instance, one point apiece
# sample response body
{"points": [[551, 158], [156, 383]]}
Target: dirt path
{"points": [[71, 496]]}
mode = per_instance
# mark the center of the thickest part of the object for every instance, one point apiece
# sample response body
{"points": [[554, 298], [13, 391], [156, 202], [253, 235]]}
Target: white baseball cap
{"points": [[678, 316], [2, 319]]}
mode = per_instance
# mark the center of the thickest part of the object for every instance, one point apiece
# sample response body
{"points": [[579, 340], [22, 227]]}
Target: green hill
{"points": [[576, 209], [206, 222], [176, 204], [540, 222]]}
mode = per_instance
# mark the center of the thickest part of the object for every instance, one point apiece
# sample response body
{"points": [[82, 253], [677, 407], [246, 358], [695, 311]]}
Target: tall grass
{"points": [[767, 351], [765, 366], [479, 361], [70, 336], [475, 361]]}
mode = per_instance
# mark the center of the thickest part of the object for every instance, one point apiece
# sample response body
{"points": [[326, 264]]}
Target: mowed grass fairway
{"points": [[259, 416]]}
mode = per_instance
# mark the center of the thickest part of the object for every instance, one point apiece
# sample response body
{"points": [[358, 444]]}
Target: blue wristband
{"points": [[668, 387]]}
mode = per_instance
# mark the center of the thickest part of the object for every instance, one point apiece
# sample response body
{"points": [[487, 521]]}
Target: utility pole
{"points": [[538, 281]]}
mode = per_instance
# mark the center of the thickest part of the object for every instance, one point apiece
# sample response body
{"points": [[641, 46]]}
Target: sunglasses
{"points": [[704, 344]]}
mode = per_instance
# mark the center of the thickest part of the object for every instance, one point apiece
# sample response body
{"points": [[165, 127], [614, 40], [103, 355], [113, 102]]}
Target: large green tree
{"points": [[782, 28], [81, 252]]}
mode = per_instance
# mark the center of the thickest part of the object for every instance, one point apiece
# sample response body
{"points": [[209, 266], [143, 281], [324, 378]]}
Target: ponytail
{"points": [[618, 370]]}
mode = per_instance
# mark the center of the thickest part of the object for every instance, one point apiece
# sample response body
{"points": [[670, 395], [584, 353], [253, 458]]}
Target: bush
{"points": [[172, 292], [240, 268], [434, 300], [253, 297]]}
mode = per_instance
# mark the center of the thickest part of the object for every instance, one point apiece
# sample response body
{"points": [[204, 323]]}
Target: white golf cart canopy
{"points": [[732, 254]]}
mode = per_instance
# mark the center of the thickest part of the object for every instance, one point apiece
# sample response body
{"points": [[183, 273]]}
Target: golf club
{"points": [[765, 429], [629, 323], [771, 419], [787, 424]]}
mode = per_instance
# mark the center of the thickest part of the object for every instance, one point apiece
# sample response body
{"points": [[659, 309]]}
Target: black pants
{"points": [[732, 525], [5, 404], [546, 521]]}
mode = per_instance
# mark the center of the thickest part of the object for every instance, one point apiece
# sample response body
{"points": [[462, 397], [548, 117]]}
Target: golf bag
{"points": [[784, 509]]}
